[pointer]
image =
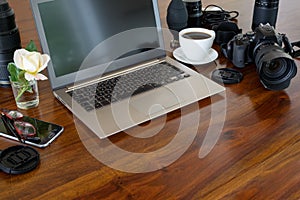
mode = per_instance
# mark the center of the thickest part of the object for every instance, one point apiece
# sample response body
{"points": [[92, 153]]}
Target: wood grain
{"points": [[256, 157]]}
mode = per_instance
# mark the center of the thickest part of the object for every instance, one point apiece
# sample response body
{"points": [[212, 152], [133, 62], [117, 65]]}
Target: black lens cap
{"points": [[227, 76], [19, 159]]}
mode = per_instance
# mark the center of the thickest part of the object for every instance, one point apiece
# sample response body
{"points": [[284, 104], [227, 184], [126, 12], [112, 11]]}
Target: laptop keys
{"points": [[118, 88]]}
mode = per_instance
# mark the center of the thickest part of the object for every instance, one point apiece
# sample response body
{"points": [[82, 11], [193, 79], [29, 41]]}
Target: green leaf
{"points": [[21, 76], [14, 72], [31, 46]]}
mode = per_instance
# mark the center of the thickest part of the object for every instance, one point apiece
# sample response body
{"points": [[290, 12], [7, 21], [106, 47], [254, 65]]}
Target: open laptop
{"points": [[98, 40]]}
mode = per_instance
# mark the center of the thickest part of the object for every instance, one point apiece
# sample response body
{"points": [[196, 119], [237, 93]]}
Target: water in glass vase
{"points": [[26, 95]]}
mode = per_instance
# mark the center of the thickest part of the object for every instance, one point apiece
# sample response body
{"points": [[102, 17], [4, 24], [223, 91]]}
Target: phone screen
{"points": [[46, 131]]}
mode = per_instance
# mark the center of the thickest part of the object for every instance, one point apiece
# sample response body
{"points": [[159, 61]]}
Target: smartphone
{"points": [[46, 132]]}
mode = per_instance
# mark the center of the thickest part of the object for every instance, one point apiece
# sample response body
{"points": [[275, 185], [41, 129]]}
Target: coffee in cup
{"points": [[196, 42]]}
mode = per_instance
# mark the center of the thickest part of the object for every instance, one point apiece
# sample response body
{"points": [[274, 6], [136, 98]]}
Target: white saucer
{"points": [[179, 55]]}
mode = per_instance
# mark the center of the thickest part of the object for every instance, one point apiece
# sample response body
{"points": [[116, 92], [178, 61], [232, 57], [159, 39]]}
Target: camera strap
{"points": [[290, 47], [221, 21], [214, 15], [296, 53], [225, 31]]}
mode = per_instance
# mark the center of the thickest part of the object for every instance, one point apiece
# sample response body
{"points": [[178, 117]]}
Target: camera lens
{"points": [[265, 11], [194, 9], [9, 40], [275, 67]]}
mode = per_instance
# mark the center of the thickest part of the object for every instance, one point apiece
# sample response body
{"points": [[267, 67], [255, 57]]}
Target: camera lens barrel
{"points": [[265, 11], [9, 40], [275, 67], [194, 9]]}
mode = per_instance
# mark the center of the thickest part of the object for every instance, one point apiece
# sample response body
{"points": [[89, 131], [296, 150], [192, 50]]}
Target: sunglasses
{"points": [[24, 131]]}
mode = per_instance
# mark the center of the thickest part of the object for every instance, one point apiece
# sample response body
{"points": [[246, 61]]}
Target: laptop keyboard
{"points": [[100, 94]]}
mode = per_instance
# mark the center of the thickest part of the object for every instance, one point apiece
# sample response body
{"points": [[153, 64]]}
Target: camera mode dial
{"points": [[250, 34]]}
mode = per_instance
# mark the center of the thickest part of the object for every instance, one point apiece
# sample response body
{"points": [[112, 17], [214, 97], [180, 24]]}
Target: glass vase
{"points": [[26, 94]]}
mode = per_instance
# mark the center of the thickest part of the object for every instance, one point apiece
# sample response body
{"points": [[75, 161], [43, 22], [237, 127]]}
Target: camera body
{"points": [[241, 49], [267, 49]]}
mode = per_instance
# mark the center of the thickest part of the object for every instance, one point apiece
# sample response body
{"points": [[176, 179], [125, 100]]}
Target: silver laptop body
{"points": [[95, 40]]}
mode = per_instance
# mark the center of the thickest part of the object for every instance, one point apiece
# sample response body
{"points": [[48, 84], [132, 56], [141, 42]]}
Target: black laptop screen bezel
{"points": [[67, 80]]}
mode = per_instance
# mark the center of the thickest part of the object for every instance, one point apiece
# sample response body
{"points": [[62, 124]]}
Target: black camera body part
{"points": [[241, 49], [9, 40], [269, 50], [265, 11]]}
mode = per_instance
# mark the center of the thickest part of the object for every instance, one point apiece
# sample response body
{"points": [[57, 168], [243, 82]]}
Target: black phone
{"points": [[46, 132]]}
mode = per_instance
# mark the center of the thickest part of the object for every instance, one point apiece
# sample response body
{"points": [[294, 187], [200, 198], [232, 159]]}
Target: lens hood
{"points": [[275, 67]]}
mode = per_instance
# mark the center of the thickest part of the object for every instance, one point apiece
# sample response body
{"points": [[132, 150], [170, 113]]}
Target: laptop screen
{"points": [[81, 36]]}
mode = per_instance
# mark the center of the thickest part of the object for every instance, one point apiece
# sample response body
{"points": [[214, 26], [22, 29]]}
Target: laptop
{"points": [[93, 42]]}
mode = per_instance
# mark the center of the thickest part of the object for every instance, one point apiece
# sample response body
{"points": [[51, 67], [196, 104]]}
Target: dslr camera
{"points": [[269, 50]]}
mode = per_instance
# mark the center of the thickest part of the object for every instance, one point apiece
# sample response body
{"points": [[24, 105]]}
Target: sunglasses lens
{"points": [[24, 128], [14, 114]]}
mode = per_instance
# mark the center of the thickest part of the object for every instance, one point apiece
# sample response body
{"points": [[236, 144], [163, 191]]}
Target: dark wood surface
{"points": [[256, 157]]}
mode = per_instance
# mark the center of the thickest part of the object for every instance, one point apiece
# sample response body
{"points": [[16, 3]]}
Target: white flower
{"points": [[32, 63]]}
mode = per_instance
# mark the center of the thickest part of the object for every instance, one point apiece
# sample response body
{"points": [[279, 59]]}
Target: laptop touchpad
{"points": [[155, 102]]}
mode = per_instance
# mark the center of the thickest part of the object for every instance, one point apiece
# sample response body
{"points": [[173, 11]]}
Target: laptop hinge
{"points": [[109, 76]]}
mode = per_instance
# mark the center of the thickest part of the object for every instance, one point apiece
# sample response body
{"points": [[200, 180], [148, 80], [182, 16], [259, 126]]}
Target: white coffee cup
{"points": [[196, 42]]}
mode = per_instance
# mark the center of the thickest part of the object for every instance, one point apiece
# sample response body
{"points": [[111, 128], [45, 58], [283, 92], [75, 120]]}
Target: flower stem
{"points": [[21, 92], [24, 87]]}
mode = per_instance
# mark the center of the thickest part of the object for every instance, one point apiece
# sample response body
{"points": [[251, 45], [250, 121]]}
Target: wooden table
{"points": [[257, 155]]}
